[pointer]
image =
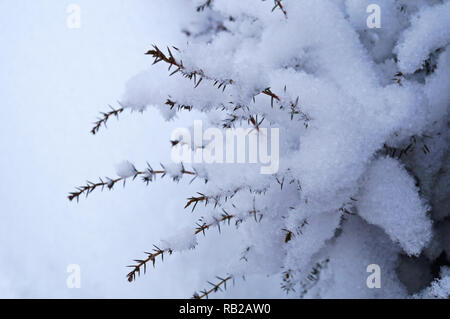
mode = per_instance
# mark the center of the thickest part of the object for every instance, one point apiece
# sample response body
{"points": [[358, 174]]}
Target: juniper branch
{"points": [[142, 264], [215, 288], [288, 283], [278, 4], [147, 176], [220, 197], [225, 218], [197, 199], [204, 5], [179, 106], [201, 228], [196, 75], [105, 117], [173, 62]]}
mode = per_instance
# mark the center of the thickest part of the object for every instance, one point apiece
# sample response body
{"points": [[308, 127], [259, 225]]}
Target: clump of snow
{"points": [[389, 198], [417, 43], [174, 170], [345, 274], [125, 169], [183, 239]]}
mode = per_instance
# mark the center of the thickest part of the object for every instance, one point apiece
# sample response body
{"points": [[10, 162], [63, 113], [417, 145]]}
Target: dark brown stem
{"points": [[105, 118], [143, 263], [279, 5], [215, 287], [110, 183], [195, 74]]}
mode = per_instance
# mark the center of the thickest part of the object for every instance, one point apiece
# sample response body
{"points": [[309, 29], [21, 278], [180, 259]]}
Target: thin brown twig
{"points": [[204, 5], [215, 287], [147, 176], [179, 106], [196, 75], [197, 199], [216, 199], [201, 228], [142, 264], [225, 218], [105, 117], [279, 5]]}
